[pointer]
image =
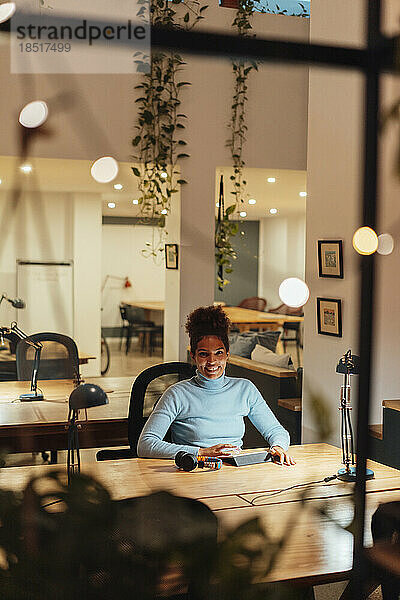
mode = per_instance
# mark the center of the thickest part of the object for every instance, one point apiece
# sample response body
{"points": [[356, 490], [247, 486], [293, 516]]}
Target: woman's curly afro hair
{"points": [[207, 320]]}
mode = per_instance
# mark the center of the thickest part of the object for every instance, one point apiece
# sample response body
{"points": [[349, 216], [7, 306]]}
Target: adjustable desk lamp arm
{"points": [[33, 395]]}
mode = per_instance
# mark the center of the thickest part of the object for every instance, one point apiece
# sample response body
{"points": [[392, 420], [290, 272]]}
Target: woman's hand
{"points": [[281, 457], [219, 450]]}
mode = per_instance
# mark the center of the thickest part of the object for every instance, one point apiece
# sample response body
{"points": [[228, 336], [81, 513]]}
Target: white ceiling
{"points": [[62, 175], [283, 194]]}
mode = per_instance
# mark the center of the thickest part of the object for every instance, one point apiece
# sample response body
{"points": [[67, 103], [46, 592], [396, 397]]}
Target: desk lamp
{"points": [[33, 394], [348, 365], [84, 396]]}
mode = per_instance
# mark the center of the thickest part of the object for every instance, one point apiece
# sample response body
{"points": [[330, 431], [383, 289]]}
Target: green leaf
{"points": [[136, 171], [186, 18], [181, 181], [183, 155], [181, 83], [230, 210], [136, 140]]}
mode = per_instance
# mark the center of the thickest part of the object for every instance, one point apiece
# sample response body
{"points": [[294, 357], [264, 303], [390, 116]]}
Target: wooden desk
{"points": [[244, 318], [41, 425], [317, 550], [7, 357]]}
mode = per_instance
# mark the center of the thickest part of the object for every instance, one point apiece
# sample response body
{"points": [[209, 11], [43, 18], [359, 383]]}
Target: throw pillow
{"points": [[243, 346], [262, 354], [268, 339]]}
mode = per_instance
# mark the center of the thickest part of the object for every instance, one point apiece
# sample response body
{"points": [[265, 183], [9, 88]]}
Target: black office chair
{"points": [[59, 357], [136, 416], [137, 324]]}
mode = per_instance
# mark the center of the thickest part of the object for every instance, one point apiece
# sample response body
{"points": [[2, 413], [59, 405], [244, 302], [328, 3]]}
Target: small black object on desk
{"points": [[249, 458]]}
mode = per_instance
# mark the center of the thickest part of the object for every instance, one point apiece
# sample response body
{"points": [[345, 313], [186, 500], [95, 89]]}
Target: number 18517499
{"points": [[44, 47]]}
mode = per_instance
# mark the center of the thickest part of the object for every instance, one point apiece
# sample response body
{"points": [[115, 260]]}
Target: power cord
{"points": [[292, 487]]}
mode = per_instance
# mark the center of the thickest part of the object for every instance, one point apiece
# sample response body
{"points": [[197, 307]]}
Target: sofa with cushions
{"points": [[252, 356]]}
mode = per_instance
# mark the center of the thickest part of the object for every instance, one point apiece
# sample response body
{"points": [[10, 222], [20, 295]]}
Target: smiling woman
{"points": [[206, 413]]}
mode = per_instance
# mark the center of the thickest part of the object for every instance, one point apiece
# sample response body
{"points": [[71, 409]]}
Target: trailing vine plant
{"points": [[158, 141], [237, 136]]}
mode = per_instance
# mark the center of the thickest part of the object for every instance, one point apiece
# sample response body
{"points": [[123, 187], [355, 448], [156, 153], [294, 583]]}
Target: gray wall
{"points": [[244, 279]]}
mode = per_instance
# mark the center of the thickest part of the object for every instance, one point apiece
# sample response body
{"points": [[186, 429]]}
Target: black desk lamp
{"points": [[33, 394], [15, 302], [84, 396], [348, 365]]}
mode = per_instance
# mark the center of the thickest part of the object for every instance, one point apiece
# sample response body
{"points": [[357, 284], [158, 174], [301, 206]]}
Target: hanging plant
{"points": [[226, 229], [158, 141], [237, 124]]}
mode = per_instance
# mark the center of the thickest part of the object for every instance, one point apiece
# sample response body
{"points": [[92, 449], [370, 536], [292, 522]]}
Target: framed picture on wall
{"points": [[171, 256], [330, 258], [329, 316]]}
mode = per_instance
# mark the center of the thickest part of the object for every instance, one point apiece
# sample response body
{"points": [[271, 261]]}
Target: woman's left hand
{"points": [[281, 457]]}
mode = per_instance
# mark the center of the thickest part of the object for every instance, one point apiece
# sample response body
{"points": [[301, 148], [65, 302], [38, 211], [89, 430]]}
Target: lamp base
{"points": [[345, 475], [30, 396]]}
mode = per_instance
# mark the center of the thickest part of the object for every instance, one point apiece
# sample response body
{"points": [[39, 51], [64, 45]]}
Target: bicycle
{"points": [[105, 355]]}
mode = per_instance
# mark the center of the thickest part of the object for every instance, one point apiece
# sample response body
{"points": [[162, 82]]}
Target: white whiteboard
{"points": [[47, 290]]}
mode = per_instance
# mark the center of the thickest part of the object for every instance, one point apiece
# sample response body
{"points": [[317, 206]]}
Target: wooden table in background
{"points": [[41, 425], [148, 306], [245, 318], [317, 550], [8, 358]]}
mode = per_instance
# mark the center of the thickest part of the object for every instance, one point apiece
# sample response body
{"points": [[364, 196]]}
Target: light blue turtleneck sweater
{"points": [[203, 412]]}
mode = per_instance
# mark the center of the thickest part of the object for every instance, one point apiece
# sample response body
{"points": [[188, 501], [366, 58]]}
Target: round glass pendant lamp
{"points": [[294, 292]]}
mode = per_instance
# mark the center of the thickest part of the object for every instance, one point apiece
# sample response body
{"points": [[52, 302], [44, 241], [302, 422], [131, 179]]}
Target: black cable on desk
{"points": [[292, 487]]}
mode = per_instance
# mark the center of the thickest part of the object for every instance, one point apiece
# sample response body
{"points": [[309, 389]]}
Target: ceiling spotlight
{"points": [[111, 205], [0, 182], [164, 175], [135, 201], [26, 168], [34, 114], [273, 211], [271, 179], [294, 292], [365, 241], [164, 211], [243, 213], [252, 201], [7, 9], [118, 186], [385, 244], [303, 194], [104, 169]]}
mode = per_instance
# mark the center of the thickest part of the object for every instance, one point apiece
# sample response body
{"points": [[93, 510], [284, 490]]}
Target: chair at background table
{"points": [[59, 359], [137, 324], [290, 326], [140, 393], [254, 303]]}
